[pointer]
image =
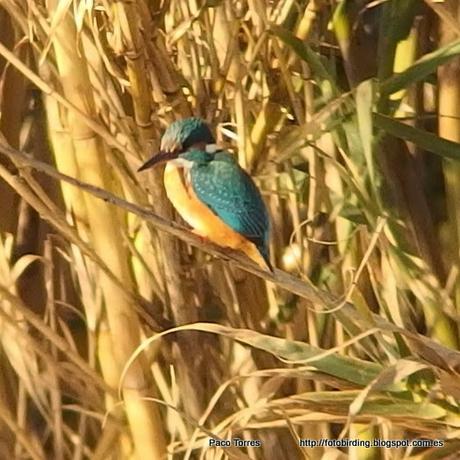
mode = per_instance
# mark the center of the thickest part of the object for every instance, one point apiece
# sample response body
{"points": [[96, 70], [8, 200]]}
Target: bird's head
{"points": [[184, 134], [179, 138]]}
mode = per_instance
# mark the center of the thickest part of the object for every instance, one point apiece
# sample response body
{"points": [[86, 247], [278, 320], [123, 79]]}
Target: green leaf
{"points": [[306, 54], [353, 370], [424, 139], [395, 373], [339, 402], [341, 23], [353, 214], [395, 23], [420, 69], [364, 102]]}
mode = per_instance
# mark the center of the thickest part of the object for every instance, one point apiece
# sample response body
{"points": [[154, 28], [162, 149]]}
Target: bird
{"points": [[211, 192]]}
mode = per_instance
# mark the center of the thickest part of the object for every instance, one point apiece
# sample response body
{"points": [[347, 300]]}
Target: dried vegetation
{"points": [[346, 113]]}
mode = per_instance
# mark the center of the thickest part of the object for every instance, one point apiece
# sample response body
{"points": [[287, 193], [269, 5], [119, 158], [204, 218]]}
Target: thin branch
{"points": [[348, 315], [279, 277], [47, 89]]}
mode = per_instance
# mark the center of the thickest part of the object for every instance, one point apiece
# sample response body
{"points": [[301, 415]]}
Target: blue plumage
{"points": [[219, 184], [181, 135], [222, 185]]}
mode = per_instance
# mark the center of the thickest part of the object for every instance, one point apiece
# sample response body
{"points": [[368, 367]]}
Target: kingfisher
{"points": [[211, 192]]}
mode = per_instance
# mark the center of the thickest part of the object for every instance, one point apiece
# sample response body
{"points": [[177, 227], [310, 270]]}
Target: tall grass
{"points": [[125, 336]]}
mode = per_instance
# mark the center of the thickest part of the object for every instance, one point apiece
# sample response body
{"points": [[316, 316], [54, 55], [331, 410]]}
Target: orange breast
{"points": [[204, 222]]}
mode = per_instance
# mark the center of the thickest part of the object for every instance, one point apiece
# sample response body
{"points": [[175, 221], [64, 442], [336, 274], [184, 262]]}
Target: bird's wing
{"points": [[232, 195]]}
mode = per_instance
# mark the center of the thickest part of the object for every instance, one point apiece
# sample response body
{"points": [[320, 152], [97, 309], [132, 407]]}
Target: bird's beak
{"points": [[160, 157]]}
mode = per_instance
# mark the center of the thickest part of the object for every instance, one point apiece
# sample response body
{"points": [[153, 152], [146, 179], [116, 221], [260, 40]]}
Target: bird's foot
{"points": [[197, 233], [227, 252]]}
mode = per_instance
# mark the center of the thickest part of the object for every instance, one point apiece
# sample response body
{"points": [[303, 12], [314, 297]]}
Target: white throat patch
{"points": [[211, 148], [182, 163]]}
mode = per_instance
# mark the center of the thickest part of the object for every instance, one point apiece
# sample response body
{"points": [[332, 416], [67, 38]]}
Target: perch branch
{"points": [[348, 315]]}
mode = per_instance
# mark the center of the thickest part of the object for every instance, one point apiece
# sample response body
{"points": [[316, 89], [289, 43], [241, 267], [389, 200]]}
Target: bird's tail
{"points": [[258, 254], [266, 256]]}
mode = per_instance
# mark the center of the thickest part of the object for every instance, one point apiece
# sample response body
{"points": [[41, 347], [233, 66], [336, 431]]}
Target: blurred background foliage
{"points": [[346, 113]]}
